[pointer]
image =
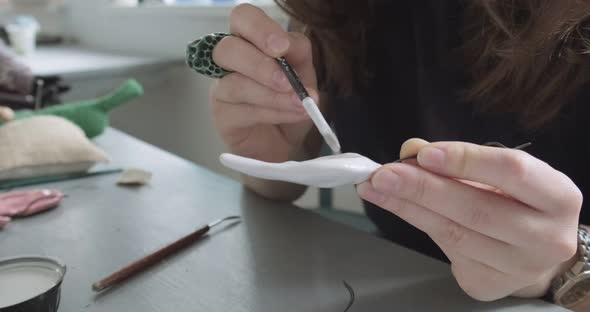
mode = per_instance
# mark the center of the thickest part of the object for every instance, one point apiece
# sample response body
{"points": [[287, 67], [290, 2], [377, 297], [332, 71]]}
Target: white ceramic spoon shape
{"points": [[323, 172]]}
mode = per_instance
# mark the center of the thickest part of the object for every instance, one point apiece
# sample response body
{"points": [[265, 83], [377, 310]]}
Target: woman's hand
{"points": [[506, 220], [6, 114], [255, 109]]}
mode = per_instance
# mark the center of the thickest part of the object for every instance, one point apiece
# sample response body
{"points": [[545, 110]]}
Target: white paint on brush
{"points": [[19, 284], [323, 172], [314, 112]]}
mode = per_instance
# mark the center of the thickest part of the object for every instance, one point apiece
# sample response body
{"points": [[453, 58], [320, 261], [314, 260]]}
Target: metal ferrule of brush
{"points": [[292, 77]]}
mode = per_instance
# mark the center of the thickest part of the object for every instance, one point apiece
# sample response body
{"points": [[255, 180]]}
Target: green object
{"points": [[91, 115], [10, 184], [199, 56]]}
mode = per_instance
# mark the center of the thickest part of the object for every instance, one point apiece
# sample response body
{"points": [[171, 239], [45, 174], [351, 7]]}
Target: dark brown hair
{"points": [[524, 56]]}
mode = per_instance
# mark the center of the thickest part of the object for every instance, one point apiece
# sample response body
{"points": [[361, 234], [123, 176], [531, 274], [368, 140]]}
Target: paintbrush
{"points": [[156, 256], [310, 106]]}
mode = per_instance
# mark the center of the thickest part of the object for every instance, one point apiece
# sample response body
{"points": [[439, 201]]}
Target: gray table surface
{"points": [[280, 258]]}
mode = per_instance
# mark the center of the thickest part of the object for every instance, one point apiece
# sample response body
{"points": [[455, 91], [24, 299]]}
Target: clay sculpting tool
{"points": [[323, 172], [140, 265]]}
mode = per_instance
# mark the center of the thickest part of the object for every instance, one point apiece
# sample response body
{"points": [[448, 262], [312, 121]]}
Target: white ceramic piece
{"points": [[324, 172]]}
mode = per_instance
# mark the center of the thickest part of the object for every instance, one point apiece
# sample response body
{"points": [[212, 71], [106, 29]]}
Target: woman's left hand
{"points": [[6, 114], [507, 221]]}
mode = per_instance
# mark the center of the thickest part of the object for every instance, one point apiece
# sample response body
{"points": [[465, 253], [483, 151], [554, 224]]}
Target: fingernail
{"points": [[431, 157], [281, 80], [277, 44], [367, 192], [386, 181]]}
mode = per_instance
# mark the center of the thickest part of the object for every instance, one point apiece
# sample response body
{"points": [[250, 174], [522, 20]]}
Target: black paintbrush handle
{"points": [[293, 79]]}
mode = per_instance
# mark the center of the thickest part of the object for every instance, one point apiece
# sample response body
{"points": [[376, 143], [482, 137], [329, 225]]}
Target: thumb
{"points": [[412, 147], [6, 114]]}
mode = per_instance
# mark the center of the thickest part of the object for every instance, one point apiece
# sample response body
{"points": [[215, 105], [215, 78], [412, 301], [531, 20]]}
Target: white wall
{"points": [[162, 31]]}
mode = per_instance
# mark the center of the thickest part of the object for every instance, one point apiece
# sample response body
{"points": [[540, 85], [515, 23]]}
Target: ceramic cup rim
{"points": [[60, 266]]}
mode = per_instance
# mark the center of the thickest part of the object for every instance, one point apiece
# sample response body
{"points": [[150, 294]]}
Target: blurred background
{"points": [[94, 45]]}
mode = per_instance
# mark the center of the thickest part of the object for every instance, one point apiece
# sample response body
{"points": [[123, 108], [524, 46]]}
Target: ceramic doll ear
{"points": [[324, 172]]}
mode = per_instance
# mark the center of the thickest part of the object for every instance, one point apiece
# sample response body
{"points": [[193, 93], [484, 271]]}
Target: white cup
{"points": [[131, 3], [22, 39]]}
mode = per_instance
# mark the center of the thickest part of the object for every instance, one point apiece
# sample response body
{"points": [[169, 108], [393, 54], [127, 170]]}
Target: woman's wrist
{"points": [[571, 282], [542, 288]]}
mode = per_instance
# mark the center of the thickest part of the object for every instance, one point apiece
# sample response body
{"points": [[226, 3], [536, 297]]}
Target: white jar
{"points": [[22, 38]]}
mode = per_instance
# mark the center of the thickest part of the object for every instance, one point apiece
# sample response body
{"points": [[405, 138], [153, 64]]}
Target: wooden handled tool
{"points": [[155, 257]]}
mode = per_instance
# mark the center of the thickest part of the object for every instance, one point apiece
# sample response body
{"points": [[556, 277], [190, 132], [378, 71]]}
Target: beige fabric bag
{"points": [[45, 145]]}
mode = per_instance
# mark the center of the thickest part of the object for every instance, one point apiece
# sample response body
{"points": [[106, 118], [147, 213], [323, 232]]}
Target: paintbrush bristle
{"points": [[332, 142]]}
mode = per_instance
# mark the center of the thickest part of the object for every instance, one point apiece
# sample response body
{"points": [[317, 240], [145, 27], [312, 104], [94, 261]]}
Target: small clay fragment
{"points": [[134, 177]]}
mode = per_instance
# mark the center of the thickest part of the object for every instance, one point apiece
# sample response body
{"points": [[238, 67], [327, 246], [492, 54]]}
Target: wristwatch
{"points": [[573, 286]]}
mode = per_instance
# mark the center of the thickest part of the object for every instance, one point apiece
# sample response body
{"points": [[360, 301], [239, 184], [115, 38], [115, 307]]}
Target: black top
{"points": [[415, 94]]}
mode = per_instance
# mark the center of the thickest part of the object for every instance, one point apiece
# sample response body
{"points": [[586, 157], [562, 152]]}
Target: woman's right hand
{"points": [[256, 111]]}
